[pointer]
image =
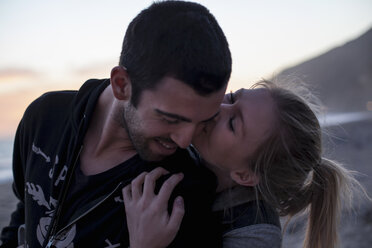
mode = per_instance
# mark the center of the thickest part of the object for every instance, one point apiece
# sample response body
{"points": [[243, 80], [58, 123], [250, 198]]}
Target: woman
{"points": [[267, 140]]}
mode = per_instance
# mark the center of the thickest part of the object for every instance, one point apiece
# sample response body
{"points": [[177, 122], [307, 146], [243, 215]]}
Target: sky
{"points": [[55, 45]]}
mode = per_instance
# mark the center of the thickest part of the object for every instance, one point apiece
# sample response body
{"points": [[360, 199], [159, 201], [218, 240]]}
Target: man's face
{"points": [[167, 116]]}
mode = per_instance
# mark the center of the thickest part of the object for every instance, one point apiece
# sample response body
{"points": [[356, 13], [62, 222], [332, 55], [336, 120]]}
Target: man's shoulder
{"points": [[52, 102], [61, 97], [52, 97], [59, 101]]}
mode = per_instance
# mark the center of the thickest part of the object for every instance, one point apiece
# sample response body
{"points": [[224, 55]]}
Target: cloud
{"points": [[16, 74], [12, 106], [95, 70], [15, 79]]}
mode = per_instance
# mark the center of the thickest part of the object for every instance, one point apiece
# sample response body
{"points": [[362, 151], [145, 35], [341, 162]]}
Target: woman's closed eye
{"points": [[231, 98], [228, 98], [231, 120], [231, 124]]}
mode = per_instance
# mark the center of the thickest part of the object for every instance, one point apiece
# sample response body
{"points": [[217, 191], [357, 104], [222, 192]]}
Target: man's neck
{"points": [[106, 143]]}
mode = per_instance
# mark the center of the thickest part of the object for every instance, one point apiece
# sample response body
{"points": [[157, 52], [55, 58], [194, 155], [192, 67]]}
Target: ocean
{"points": [[6, 145], [6, 150]]}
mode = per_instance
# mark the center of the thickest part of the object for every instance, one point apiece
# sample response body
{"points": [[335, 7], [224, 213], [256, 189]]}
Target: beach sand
{"points": [[7, 203], [351, 145]]}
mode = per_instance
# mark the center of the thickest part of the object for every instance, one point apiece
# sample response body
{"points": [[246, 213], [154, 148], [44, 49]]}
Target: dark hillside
{"points": [[341, 76]]}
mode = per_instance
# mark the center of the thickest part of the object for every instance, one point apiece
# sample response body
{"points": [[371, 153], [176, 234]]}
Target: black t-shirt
{"points": [[199, 228], [85, 189]]}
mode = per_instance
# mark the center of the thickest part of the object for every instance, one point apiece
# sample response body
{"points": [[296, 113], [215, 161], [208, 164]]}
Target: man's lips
{"points": [[167, 144]]}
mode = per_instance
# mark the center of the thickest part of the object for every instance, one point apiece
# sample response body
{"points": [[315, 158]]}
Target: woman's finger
{"points": [[150, 179], [178, 212], [137, 185], [127, 194], [168, 187]]}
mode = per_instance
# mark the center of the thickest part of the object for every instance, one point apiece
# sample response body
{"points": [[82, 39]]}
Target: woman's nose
{"points": [[225, 108]]}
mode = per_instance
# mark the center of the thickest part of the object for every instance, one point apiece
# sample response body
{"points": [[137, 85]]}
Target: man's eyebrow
{"points": [[173, 116], [211, 118]]}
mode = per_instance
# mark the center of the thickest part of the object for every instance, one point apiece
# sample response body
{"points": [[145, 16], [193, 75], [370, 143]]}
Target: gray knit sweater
{"points": [[247, 222]]}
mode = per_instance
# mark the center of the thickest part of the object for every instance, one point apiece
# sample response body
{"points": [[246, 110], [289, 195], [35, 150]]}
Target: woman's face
{"points": [[246, 119]]}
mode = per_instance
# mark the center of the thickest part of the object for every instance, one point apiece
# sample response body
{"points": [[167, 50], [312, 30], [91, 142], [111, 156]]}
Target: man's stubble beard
{"points": [[128, 119]]}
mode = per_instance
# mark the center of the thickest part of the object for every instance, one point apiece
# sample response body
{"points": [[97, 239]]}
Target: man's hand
{"points": [[149, 223]]}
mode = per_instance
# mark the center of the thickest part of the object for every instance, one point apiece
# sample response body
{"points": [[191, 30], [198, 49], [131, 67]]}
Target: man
{"points": [[75, 151]]}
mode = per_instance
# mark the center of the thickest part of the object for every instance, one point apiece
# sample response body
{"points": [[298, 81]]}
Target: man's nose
{"points": [[183, 135]]}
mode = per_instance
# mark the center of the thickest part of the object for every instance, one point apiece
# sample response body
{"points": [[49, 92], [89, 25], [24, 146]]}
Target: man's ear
{"points": [[245, 177], [120, 83]]}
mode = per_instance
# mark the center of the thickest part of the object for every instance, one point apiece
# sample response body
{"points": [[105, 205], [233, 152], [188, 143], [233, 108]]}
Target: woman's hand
{"points": [[149, 223]]}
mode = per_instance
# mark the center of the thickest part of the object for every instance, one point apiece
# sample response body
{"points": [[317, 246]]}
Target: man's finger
{"points": [[137, 185], [168, 187], [150, 179], [178, 212], [127, 196]]}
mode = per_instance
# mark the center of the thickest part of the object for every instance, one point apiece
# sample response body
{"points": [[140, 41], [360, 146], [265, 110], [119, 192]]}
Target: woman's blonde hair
{"points": [[293, 174]]}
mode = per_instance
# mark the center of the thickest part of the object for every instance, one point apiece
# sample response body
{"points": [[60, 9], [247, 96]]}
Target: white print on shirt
{"points": [[51, 171], [37, 150], [64, 240], [118, 199], [42, 229], [62, 175], [111, 245], [38, 195]]}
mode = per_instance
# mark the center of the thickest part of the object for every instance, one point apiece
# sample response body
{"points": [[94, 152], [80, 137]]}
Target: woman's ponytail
{"points": [[293, 175], [330, 184]]}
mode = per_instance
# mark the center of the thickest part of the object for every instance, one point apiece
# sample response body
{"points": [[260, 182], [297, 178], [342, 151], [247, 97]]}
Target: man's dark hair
{"points": [[178, 39]]}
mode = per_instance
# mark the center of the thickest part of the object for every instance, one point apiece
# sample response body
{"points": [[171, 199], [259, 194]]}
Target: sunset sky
{"points": [[52, 45]]}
